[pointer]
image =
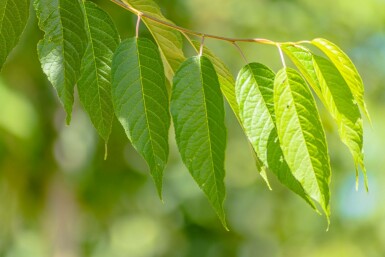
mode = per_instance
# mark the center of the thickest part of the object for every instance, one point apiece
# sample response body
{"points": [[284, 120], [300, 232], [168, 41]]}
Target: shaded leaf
{"points": [[61, 50], [341, 105], [198, 114], [347, 69], [95, 80], [169, 40], [302, 136], [13, 18], [255, 94], [141, 101]]}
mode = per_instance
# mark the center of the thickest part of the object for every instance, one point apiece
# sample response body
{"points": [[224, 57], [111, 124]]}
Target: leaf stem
{"points": [[202, 45], [138, 25], [240, 51], [281, 54]]}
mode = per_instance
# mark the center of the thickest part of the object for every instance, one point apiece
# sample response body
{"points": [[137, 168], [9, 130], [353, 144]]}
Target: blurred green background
{"points": [[58, 197]]}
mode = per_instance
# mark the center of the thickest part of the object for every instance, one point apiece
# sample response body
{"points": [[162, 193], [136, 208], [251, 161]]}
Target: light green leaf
{"points": [[13, 18], [169, 40], [95, 80], [340, 103], [302, 136], [198, 114], [141, 101], [303, 60], [254, 90], [61, 50], [347, 69]]}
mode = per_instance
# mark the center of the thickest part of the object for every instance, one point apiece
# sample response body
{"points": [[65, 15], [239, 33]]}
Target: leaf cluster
{"points": [[128, 80]]}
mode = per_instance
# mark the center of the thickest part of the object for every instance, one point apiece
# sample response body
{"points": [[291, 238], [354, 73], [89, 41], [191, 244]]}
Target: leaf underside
{"points": [[94, 84], [255, 95], [340, 103], [197, 110], [13, 18], [61, 50], [302, 136], [141, 101], [347, 69]]}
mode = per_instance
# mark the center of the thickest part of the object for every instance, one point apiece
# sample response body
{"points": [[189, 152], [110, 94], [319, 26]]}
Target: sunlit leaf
{"points": [[347, 69], [169, 40], [13, 18], [95, 81], [61, 50], [254, 90], [303, 60], [141, 101], [340, 103], [302, 136], [198, 114]]}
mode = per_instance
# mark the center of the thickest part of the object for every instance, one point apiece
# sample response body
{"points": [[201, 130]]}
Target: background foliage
{"points": [[59, 198]]}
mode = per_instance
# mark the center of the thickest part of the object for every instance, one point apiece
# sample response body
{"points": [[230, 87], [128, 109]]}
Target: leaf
{"points": [[169, 40], [303, 60], [226, 79], [95, 80], [141, 101], [254, 91], [302, 136], [341, 105], [347, 69], [13, 19], [198, 113], [61, 50], [227, 83]]}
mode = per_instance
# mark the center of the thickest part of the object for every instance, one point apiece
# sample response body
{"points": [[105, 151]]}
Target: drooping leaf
{"points": [[169, 40], [303, 60], [254, 90], [13, 18], [198, 114], [302, 136], [347, 69], [141, 101], [61, 50], [341, 105], [94, 84]]}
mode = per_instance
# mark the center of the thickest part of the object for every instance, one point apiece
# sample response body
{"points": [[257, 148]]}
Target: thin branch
{"points": [[191, 32]]}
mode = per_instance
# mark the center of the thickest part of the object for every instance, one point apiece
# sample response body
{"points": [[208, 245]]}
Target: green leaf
{"points": [[226, 79], [13, 18], [198, 114], [141, 101], [302, 136], [95, 80], [168, 40], [255, 94], [303, 60], [61, 50], [347, 69], [341, 105]]}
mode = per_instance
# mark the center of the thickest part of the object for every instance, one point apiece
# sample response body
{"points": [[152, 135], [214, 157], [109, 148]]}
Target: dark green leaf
{"points": [[302, 136], [254, 91], [95, 80], [198, 114], [61, 50], [340, 103], [13, 18], [141, 101]]}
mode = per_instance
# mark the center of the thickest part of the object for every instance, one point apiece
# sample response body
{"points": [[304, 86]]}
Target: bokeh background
{"points": [[58, 197]]}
